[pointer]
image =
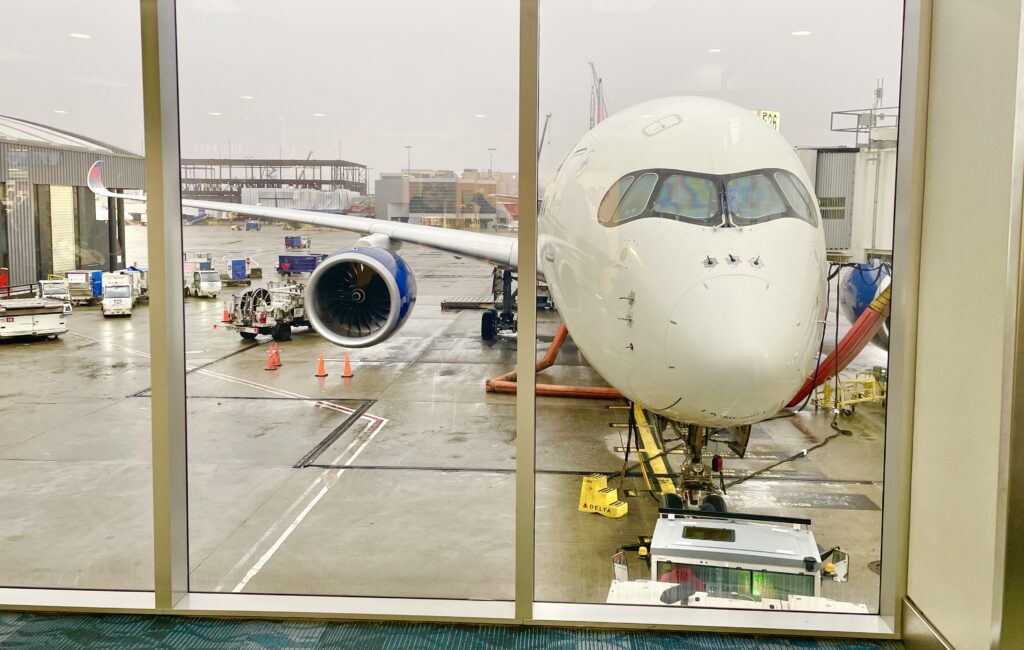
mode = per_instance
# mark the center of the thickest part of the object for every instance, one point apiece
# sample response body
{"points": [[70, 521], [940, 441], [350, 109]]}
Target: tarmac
{"points": [[397, 482]]}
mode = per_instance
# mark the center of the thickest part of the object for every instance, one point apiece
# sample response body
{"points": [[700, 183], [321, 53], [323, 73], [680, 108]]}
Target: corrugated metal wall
{"points": [[834, 187], [22, 167], [68, 167], [21, 230]]}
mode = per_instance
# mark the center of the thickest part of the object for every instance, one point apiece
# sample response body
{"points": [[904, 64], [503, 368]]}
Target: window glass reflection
{"points": [[696, 311], [349, 224], [75, 461], [752, 198], [687, 196]]}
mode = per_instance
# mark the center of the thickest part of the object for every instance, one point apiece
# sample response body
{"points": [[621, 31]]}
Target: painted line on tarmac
{"points": [[202, 370], [326, 479], [327, 482], [286, 393], [322, 478]]}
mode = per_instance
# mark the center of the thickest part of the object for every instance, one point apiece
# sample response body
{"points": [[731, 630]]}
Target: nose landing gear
{"points": [[695, 487]]}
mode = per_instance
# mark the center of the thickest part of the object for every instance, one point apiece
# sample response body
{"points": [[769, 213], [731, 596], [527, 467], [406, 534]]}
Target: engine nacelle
{"points": [[360, 296]]}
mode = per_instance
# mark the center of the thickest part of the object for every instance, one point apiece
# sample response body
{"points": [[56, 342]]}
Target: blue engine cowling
{"points": [[360, 296], [858, 286]]}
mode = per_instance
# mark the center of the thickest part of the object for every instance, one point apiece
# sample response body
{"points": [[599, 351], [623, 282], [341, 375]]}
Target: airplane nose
{"points": [[736, 344]]}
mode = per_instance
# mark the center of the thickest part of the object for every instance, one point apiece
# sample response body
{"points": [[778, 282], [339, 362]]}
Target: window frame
{"points": [[170, 547]]}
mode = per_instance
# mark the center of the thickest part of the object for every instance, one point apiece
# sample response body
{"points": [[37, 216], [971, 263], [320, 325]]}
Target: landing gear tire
{"points": [[488, 325], [248, 336], [282, 332], [713, 503]]}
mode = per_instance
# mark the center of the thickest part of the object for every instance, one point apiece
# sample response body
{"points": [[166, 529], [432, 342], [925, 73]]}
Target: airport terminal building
{"points": [[48, 217]]}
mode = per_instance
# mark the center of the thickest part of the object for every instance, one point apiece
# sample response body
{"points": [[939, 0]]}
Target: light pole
{"points": [[408, 182], [490, 170]]}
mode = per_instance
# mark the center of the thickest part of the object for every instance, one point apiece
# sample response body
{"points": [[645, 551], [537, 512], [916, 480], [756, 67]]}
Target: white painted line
{"points": [[256, 568], [284, 516], [328, 481], [263, 387]]}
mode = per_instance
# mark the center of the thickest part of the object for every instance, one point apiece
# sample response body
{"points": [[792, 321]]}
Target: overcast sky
{"points": [[364, 79]]}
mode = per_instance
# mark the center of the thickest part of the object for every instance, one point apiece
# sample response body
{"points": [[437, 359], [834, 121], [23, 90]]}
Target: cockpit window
{"points": [[752, 199], [796, 195], [725, 200], [690, 197], [612, 199], [635, 201]]}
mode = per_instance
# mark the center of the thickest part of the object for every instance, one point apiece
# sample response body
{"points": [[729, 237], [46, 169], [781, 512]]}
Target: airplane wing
{"points": [[495, 249]]}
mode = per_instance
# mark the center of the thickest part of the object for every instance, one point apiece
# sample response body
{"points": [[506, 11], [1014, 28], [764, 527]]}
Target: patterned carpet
{"points": [[60, 632]]}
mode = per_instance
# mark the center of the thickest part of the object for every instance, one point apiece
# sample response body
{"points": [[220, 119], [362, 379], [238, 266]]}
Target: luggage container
{"points": [[297, 242], [86, 287], [239, 269], [55, 289], [288, 265]]}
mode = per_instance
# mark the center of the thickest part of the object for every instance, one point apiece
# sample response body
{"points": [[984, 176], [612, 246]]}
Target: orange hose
{"points": [[507, 383]]}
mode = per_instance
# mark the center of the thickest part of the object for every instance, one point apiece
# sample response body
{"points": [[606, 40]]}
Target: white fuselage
{"points": [[716, 322]]}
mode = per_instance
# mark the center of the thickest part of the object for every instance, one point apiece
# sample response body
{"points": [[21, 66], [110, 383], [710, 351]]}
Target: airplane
{"points": [[681, 242]]}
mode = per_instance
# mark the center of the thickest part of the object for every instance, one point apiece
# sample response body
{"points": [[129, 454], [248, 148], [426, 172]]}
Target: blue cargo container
{"points": [[292, 264], [252, 225], [238, 269]]}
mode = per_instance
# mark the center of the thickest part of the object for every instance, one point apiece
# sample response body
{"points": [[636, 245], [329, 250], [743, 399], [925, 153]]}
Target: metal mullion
{"points": [[526, 349], [906, 277], [1008, 595], [167, 331]]}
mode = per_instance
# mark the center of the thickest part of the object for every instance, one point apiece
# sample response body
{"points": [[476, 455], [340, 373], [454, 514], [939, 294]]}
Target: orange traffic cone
{"points": [[321, 371], [227, 316], [347, 371], [277, 356], [270, 360]]}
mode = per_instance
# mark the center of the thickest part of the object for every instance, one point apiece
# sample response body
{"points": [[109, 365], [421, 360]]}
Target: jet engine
{"points": [[360, 296]]}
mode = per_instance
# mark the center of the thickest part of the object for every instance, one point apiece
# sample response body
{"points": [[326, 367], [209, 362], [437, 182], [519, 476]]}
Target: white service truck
{"points": [[33, 317], [201, 283], [274, 310], [117, 295], [140, 283], [711, 559]]}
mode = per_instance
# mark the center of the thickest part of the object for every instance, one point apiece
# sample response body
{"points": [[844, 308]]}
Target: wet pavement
{"points": [[411, 496]]}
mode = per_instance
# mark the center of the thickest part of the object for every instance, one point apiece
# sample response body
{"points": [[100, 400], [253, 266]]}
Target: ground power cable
{"points": [[833, 272]]}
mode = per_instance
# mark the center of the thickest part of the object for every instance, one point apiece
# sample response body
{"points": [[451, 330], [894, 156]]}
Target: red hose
{"points": [[867, 325], [507, 383]]}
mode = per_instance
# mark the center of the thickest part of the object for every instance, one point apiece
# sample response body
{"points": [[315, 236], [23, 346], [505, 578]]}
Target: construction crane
{"points": [[598, 101], [540, 146]]}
